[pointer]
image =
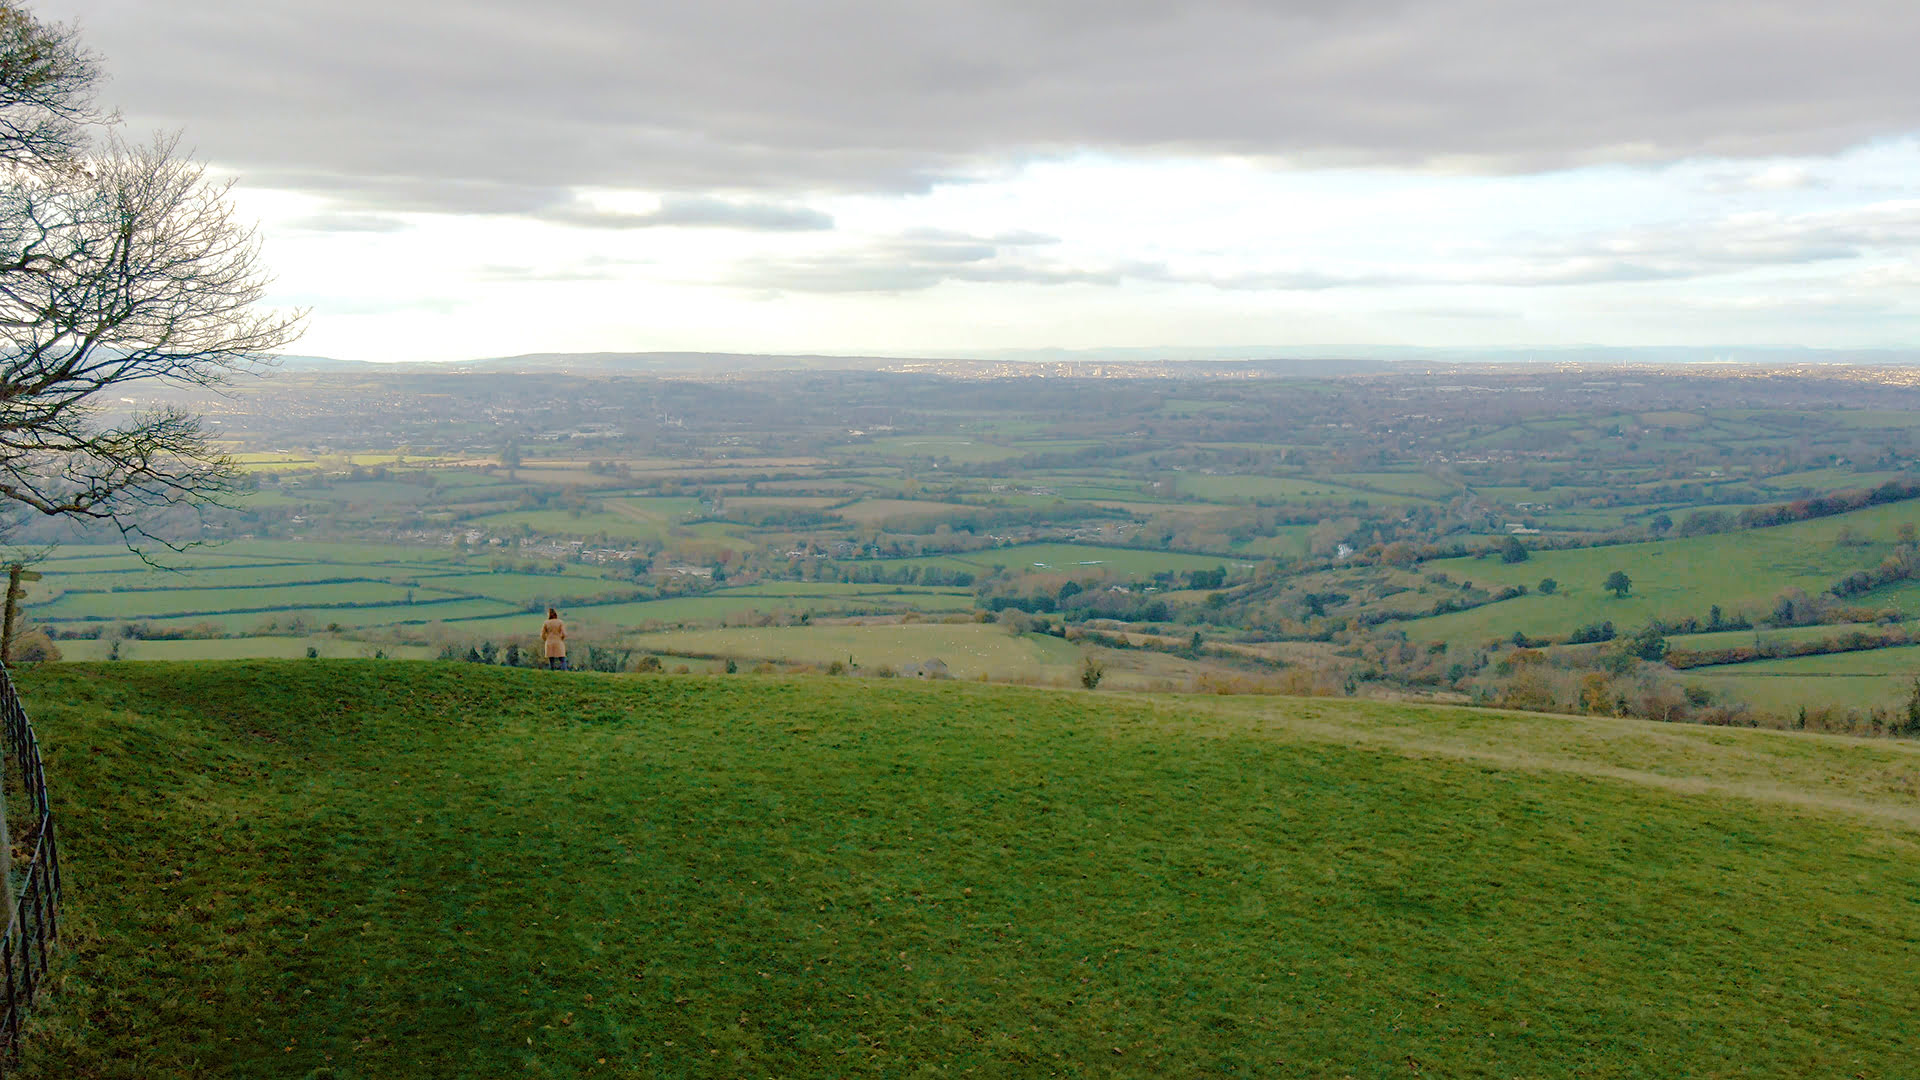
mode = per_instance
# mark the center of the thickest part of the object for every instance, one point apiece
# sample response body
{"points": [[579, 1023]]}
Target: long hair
{"points": [[552, 614]]}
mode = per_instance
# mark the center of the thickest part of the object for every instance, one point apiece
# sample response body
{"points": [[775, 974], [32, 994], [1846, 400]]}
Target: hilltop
{"points": [[361, 868]]}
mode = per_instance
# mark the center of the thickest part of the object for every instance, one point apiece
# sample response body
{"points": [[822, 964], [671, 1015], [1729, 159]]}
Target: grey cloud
{"points": [[507, 106], [1730, 245], [521, 275], [925, 258], [694, 212], [592, 268], [1772, 179], [338, 221]]}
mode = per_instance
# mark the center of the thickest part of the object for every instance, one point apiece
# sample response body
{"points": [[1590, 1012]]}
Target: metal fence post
{"points": [[33, 918]]}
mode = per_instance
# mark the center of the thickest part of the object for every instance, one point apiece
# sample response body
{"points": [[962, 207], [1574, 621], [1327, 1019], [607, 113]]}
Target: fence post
{"points": [[32, 918]]}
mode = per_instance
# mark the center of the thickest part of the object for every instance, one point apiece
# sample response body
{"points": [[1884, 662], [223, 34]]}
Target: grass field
{"points": [[237, 587], [1074, 558], [1875, 678], [1672, 579], [140, 605], [379, 869], [968, 649], [1287, 489], [875, 511], [264, 647]]}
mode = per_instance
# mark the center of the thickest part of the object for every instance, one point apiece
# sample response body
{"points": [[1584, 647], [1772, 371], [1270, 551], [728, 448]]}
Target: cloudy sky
{"points": [[449, 180]]}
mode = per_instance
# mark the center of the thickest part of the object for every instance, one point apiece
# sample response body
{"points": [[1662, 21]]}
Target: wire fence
{"points": [[33, 917]]}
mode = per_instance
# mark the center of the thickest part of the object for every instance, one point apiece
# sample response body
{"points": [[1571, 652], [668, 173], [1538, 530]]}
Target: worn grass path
{"points": [[386, 869]]}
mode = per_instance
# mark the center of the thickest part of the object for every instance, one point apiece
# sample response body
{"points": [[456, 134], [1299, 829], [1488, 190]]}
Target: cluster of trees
{"points": [[1828, 505], [582, 657], [1772, 648], [1902, 565]]}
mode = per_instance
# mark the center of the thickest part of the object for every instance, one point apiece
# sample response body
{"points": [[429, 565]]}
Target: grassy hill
{"points": [[377, 869]]}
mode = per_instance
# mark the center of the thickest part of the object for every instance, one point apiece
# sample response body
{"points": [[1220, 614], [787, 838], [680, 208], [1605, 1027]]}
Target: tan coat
{"points": [[553, 634]]}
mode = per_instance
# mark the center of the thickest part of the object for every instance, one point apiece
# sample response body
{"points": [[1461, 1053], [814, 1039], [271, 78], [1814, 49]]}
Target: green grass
{"points": [[1672, 579], [957, 448], [381, 615], [1870, 679], [615, 619], [379, 869], [1284, 489], [265, 647], [282, 574], [141, 605], [528, 588], [968, 649], [1073, 558], [842, 588]]}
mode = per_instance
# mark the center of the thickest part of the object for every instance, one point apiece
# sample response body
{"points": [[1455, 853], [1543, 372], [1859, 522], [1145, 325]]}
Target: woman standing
{"points": [[553, 635]]}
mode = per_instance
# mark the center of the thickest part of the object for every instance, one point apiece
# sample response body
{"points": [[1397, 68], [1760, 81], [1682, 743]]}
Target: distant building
{"points": [[926, 669]]}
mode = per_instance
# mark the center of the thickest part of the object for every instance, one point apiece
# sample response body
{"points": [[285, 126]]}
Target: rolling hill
{"points": [[387, 868]]}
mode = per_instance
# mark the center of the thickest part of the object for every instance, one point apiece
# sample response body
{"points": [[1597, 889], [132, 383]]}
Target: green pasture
{"points": [[1873, 679], [1074, 559], [880, 511], [321, 551], [1729, 639], [1287, 541], [212, 577], [634, 519], [841, 588], [958, 449], [1403, 483], [1829, 480], [1283, 489], [242, 648], [528, 588], [1870, 418], [1742, 571], [141, 605], [968, 649], [615, 620], [390, 868], [250, 622]]}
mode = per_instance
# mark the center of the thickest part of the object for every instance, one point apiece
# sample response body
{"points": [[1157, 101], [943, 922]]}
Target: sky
{"points": [[440, 181]]}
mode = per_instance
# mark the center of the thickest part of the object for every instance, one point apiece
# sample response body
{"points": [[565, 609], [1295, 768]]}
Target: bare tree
{"points": [[47, 85], [119, 264]]}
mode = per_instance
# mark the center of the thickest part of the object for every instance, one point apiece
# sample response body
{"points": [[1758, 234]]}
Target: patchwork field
{"points": [[1741, 571], [1879, 678], [1074, 558], [969, 650], [384, 868]]}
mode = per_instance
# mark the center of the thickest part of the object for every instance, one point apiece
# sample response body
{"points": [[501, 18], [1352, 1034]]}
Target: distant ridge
{"points": [[1296, 361], [685, 362]]}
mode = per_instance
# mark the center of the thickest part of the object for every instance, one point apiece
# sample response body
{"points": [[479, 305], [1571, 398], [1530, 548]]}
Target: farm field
{"points": [[969, 650], [296, 618], [877, 511], [155, 603], [1074, 558], [1306, 489], [1871, 679], [263, 647], [1742, 571], [240, 589], [1332, 502], [745, 876], [1727, 639]]}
